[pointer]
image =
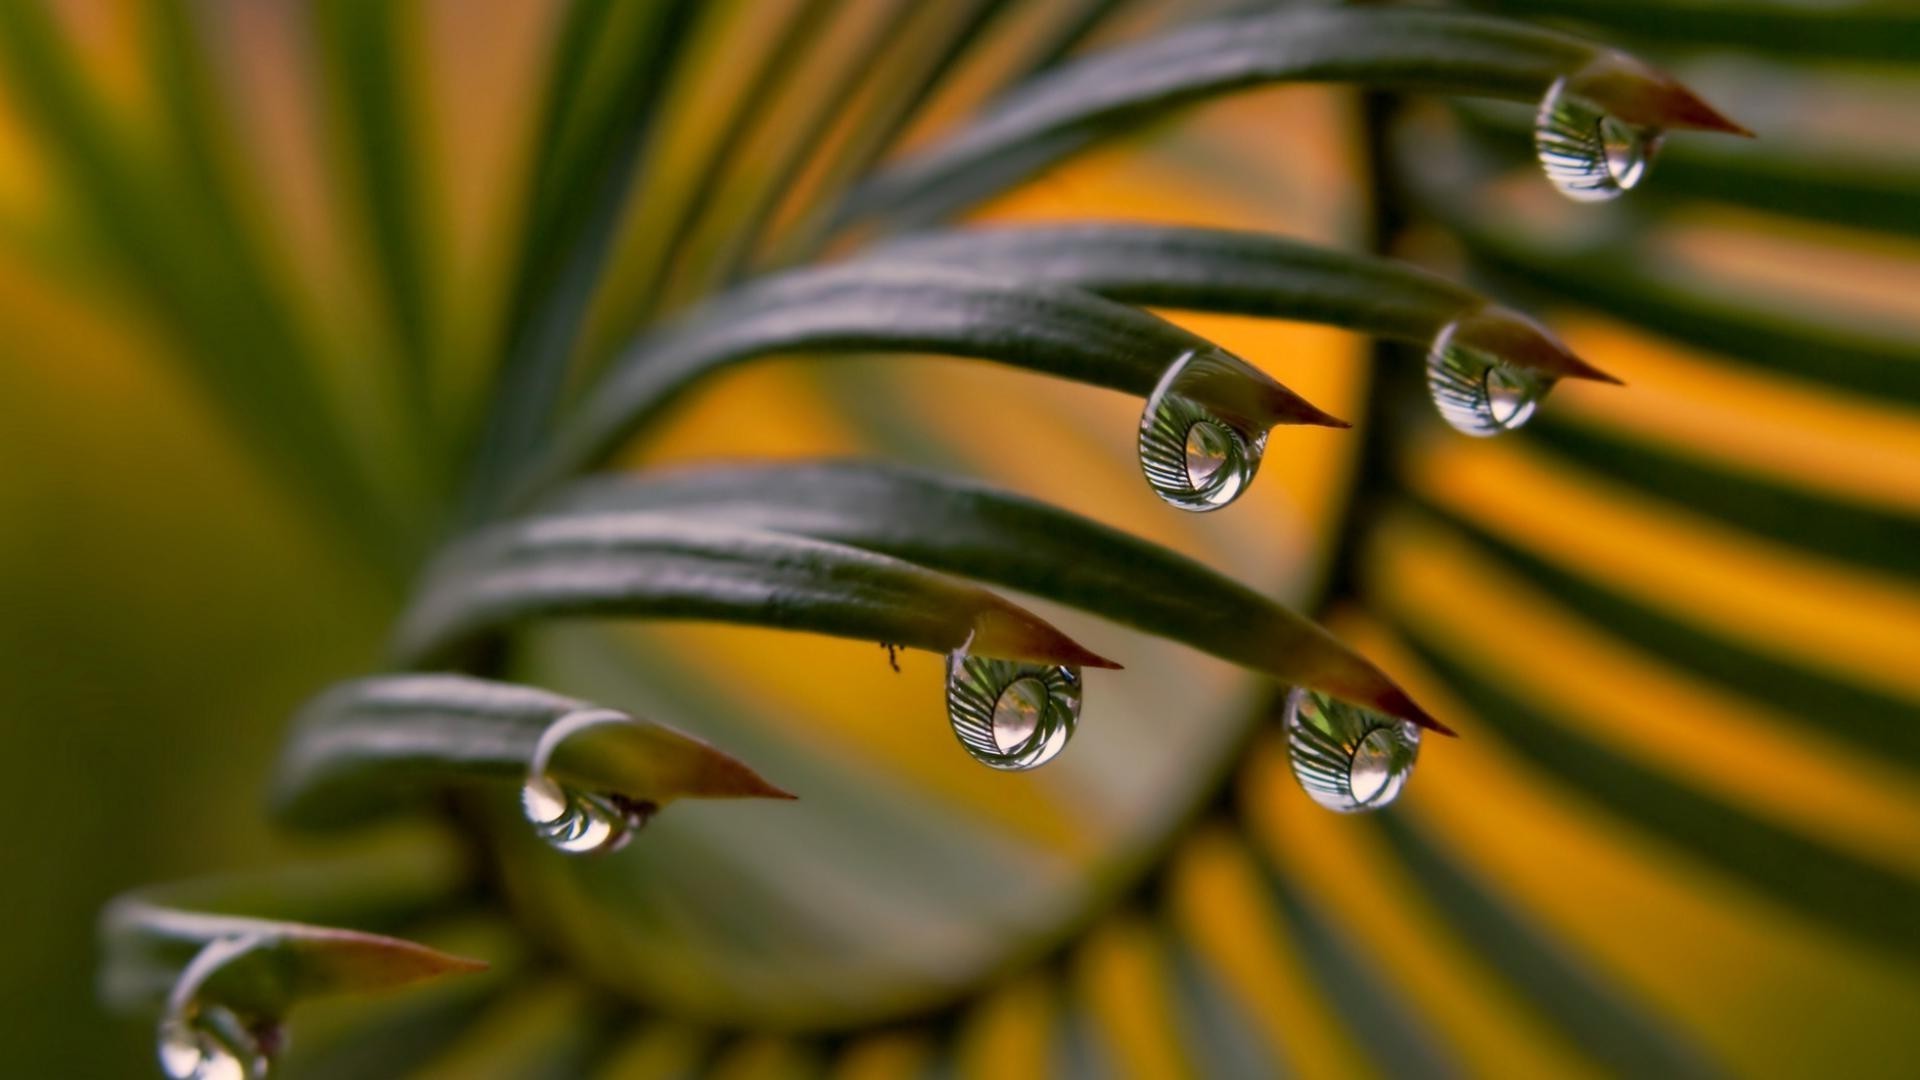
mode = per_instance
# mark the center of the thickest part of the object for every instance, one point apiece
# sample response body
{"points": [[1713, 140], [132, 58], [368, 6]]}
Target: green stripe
{"points": [[1603, 1022], [1873, 723], [1837, 528], [1871, 906]]}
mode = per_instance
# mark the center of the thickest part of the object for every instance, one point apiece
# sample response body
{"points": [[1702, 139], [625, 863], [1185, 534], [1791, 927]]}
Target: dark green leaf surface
{"points": [[366, 745], [147, 938], [1863, 30], [888, 305], [965, 528], [653, 566], [1435, 52]]}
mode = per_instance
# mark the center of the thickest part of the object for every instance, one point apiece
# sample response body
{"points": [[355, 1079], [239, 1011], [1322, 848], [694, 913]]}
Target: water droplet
{"points": [[209, 1042], [1590, 155], [1477, 392], [1348, 758], [578, 822], [1194, 457], [1011, 714]]}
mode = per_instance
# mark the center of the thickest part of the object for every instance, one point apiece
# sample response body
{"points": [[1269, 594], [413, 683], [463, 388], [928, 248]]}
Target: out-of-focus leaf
{"points": [[1877, 724], [1608, 1026], [363, 746], [1427, 51], [591, 138], [893, 305], [793, 42], [1831, 888], [977, 531], [363, 49], [149, 937], [176, 242], [1857, 30], [654, 566], [1243, 273], [1882, 538]]}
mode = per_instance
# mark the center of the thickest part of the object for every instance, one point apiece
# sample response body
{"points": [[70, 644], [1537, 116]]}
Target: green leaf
{"points": [[1424, 51], [364, 746], [148, 938], [595, 128], [1855, 899], [977, 531], [1849, 31], [649, 565], [1244, 273], [889, 305]]}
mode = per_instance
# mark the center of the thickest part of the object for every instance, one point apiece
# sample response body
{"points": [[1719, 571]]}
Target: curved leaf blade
{"points": [[1239, 273], [977, 531], [653, 566], [363, 746], [1410, 50], [887, 305], [149, 937]]}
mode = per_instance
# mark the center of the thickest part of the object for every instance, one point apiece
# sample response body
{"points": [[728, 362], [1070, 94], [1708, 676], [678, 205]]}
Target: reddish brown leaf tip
{"points": [[1684, 109], [1397, 703]]}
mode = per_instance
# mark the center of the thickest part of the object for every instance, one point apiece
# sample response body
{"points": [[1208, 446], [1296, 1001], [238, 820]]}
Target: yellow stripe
{"points": [[1849, 621], [1225, 911], [1121, 976], [1723, 965], [516, 1035], [1793, 431], [1009, 1033], [1765, 763], [890, 1056], [1338, 861]]}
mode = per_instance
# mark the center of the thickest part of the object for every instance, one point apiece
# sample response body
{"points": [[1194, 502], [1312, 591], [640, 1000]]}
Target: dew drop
{"points": [[1475, 391], [568, 819], [580, 822], [1589, 155], [1347, 758], [209, 1042], [1011, 714], [1193, 457]]}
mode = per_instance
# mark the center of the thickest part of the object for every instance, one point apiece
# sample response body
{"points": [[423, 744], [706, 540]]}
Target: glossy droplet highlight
{"points": [[1477, 392], [1011, 714], [1194, 457], [570, 820], [1348, 759], [578, 822], [1590, 155], [209, 1042]]}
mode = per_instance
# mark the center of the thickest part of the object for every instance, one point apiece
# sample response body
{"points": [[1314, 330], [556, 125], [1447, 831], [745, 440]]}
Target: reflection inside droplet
{"points": [[1016, 716], [571, 820], [1193, 457], [1476, 392], [208, 1042], [1345, 757], [577, 822], [1011, 714], [1589, 155]]}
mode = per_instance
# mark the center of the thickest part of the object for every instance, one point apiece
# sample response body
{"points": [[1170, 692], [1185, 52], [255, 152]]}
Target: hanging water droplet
{"points": [[1346, 757], [209, 1042], [578, 822], [1011, 714], [1194, 457], [1477, 392], [1590, 155]]}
